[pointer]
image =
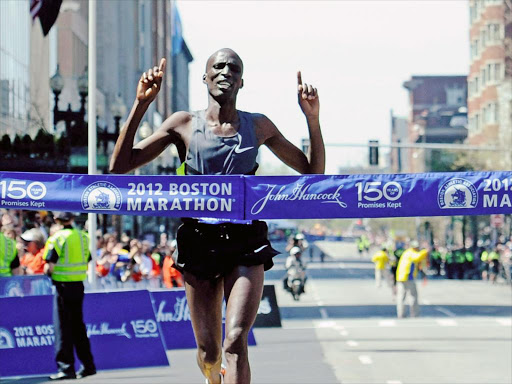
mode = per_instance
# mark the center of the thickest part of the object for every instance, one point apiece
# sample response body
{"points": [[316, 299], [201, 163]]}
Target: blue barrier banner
{"points": [[123, 330], [26, 336], [400, 195], [28, 285], [263, 197], [190, 196], [173, 315], [121, 327]]}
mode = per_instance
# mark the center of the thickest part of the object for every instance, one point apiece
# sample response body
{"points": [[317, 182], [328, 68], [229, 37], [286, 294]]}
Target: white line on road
{"points": [[387, 323], [323, 313], [427, 302], [325, 324], [505, 322], [352, 343], [447, 312], [339, 327], [320, 303], [343, 333], [447, 322], [342, 265], [365, 359], [393, 382]]}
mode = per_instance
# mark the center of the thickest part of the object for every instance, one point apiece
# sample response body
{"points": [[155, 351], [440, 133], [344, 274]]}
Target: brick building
{"points": [[438, 114], [490, 75]]}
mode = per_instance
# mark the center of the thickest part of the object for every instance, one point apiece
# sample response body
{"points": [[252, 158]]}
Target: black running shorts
{"points": [[209, 251]]}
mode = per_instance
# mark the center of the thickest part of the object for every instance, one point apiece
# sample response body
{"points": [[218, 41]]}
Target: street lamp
{"points": [[118, 110], [72, 119]]}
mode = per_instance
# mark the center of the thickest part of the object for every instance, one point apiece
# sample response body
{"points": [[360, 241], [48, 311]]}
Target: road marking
{"points": [[320, 303], [352, 343], [447, 322], [325, 324], [393, 382], [339, 327], [342, 265], [505, 322], [426, 302], [365, 359], [343, 333], [446, 311], [323, 313], [387, 323]]}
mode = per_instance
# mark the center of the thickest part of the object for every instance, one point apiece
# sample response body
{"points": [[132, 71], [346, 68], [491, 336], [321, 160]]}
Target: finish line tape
{"points": [[263, 197]]}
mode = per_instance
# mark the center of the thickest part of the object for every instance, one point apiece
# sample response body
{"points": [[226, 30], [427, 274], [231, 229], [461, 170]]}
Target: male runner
{"points": [[221, 260]]}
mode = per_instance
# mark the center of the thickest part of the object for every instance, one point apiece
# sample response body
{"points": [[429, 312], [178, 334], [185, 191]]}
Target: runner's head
{"points": [[223, 74]]}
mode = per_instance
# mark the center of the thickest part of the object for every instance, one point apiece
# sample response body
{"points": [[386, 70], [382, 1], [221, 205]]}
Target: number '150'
{"points": [[17, 189]]}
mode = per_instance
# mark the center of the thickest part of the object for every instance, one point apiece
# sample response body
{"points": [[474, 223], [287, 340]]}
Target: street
{"points": [[344, 330]]}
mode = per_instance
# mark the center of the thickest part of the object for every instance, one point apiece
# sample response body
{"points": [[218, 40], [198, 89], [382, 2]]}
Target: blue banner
{"points": [[356, 196], [121, 327], [263, 197], [173, 315], [190, 196]]}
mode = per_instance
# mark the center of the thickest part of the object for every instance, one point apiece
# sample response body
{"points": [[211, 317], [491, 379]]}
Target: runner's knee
{"points": [[236, 341]]}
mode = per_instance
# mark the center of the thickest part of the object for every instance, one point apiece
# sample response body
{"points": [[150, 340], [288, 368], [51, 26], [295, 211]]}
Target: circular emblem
{"points": [[101, 196], [6, 339], [457, 193]]}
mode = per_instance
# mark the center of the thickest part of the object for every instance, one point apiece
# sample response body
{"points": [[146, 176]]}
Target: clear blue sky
{"points": [[357, 53]]}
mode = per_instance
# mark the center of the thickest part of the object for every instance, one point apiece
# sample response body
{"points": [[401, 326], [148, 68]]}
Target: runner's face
{"points": [[224, 74]]}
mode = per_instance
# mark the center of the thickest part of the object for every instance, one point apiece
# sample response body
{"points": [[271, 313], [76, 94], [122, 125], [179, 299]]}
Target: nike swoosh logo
{"points": [[237, 148], [259, 249]]}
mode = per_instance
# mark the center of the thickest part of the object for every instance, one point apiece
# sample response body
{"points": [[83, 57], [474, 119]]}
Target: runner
{"points": [[220, 259]]}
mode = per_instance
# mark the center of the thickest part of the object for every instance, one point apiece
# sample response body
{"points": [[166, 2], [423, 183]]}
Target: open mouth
{"points": [[224, 84]]}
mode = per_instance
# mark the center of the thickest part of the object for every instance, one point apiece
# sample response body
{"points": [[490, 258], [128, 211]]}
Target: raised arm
{"points": [[286, 151], [126, 156]]}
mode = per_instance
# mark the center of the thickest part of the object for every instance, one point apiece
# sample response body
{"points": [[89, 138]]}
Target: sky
{"points": [[357, 54]]}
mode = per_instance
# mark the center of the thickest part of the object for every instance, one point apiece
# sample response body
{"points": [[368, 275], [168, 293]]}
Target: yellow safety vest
{"points": [[72, 246], [407, 266], [8, 252], [380, 259]]}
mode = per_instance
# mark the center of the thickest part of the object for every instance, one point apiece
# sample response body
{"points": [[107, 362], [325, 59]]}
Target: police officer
{"points": [[9, 261], [67, 255]]}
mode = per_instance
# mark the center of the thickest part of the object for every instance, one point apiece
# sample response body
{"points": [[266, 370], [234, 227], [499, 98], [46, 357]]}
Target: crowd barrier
{"points": [[127, 329], [263, 197], [121, 326]]}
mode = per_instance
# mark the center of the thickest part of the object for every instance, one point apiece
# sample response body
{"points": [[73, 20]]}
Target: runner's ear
{"points": [[241, 86], [204, 78]]}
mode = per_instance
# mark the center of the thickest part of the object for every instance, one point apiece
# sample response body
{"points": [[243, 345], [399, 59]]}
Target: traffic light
{"points": [[373, 146]]}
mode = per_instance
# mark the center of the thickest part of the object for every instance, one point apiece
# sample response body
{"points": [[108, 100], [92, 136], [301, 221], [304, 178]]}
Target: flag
{"points": [[177, 31], [47, 11], [35, 6]]}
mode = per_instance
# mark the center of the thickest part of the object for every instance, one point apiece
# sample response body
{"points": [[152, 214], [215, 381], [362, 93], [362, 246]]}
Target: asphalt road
{"points": [[344, 330]]}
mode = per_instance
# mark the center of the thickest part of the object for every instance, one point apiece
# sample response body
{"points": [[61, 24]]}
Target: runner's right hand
{"points": [[149, 83]]}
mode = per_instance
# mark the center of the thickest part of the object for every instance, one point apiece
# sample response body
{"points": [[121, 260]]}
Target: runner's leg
{"points": [[205, 303], [243, 287]]}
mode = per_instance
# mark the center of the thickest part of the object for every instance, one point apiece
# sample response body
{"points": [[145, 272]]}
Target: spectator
{"points": [[171, 276], [380, 259], [32, 262]]}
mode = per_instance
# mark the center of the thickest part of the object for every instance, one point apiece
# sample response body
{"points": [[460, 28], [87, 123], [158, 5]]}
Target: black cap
{"points": [[64, 216]]}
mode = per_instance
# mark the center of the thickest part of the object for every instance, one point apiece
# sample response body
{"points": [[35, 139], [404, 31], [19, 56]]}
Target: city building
{"points": [[15, 67], [490, 76], [438, 114]]}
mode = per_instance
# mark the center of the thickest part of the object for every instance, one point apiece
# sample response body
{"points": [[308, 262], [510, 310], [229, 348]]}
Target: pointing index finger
{"points": [[161, 67], [299, 78]]}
